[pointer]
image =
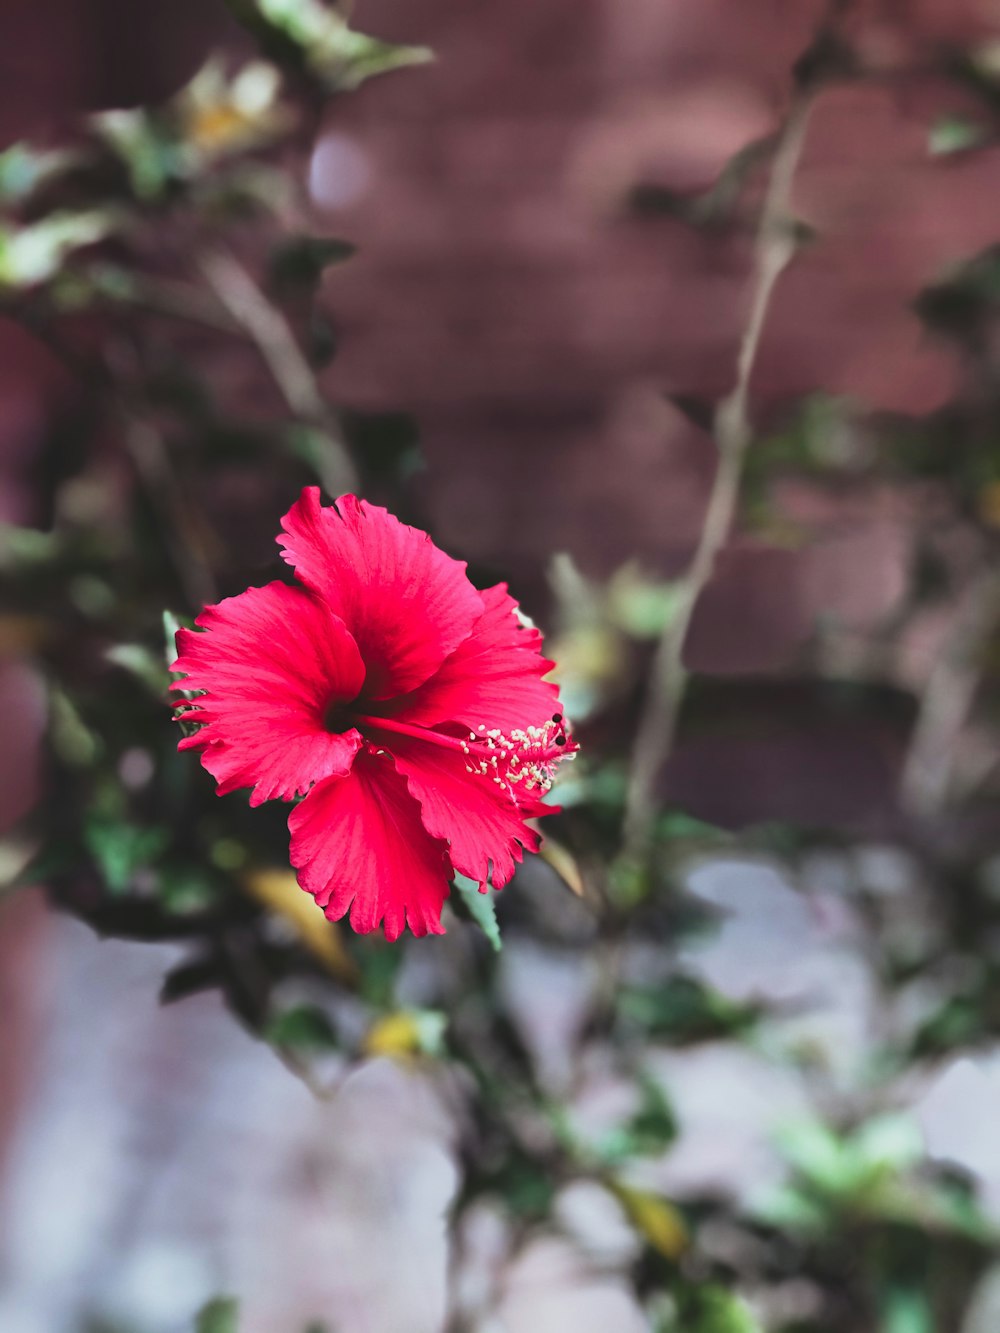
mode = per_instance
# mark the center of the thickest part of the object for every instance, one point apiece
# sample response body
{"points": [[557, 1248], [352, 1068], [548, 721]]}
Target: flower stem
{"points": [[775, 246], [268, 329], [946, 701]]}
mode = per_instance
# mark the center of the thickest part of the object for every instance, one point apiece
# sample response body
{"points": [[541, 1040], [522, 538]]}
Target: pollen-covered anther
{"points": [[525, 757]]}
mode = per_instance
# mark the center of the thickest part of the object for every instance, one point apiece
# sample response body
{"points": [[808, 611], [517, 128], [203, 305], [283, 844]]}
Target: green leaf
{"points": [[22, 547], [191, 978], [818, 1155], [308, 35], [858, 1167], [708, 1308], [299, 263], [303, 1029], [906, 1311], [171, 624], [642, 607], [480, 907], [380, 966], [722, 1312], [526, 1190], [120, 849], [185, 889], [23, 169], [788, 1208], [646, 1133], [683, 1009], [141, 663], [654, 1125], [890, 1142], [73, 741], [35, 253], [352, 57], [152, 156], [954, 134], [220, 1315]]}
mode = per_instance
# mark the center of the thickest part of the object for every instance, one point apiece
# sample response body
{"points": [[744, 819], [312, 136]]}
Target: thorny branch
{"points": [[668, 678]]}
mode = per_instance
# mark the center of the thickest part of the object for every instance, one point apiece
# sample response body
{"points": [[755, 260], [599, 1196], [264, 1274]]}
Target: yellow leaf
{"points": [[565, 864], [406, 1033], [395, 1034], [279, 892], [655, 1218]]}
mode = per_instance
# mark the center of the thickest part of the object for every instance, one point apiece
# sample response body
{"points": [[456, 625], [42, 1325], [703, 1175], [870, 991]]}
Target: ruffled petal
{"points": [[270, 662], [358, 845], [407, 604], [477, 815], [493, 677]]}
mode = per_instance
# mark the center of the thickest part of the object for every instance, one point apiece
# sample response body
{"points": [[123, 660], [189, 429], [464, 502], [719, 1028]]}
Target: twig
{"points": [[947, 700], [181, 531], [269, 331], [179, 300], [774, 248]]}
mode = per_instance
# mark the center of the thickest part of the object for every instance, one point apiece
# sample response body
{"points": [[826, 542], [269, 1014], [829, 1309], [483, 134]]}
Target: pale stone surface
{"points": [[166, 1156], [959, 1112], [549, 1288]]}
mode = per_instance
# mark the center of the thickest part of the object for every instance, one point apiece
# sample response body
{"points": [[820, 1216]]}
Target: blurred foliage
{"points": [[220, 1315], [169, 241], [309, 35]]}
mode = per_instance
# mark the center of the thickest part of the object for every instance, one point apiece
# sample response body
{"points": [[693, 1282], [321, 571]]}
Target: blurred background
{"points": [[726, 1057]]}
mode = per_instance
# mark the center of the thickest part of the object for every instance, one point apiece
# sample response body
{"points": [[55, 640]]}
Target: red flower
{"points": [[407, 708]]}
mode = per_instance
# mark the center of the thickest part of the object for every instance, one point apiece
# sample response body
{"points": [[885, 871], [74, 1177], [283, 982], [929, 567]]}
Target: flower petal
{"points": [[479, 818], [407, 604], [358, 844], [270, 662], [493, 677]]}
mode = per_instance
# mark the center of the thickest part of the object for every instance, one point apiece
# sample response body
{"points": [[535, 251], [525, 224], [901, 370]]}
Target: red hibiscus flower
{"points": [[406, 707]]}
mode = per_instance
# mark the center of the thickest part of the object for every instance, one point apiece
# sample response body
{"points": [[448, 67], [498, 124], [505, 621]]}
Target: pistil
{"points": [[523, 758]]}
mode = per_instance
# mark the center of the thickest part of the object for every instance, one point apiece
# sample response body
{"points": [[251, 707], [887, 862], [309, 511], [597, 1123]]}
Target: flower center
{"points": [[524, 759], [338, 717]]}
